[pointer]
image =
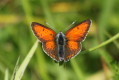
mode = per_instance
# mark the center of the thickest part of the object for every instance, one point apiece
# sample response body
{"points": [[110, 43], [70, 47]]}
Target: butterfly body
{"points": [[61, 47], [61, 42]]}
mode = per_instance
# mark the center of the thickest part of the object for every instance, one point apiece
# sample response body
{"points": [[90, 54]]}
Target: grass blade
{"points": [[24, 64], [6, 75], [15, 69]]}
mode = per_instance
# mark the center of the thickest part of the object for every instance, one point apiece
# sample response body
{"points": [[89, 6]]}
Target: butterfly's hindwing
{"points": [[72, 48], [50, 48]]}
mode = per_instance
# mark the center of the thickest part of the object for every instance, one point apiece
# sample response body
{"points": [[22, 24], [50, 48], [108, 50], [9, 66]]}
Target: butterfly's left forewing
{"points": [[47, 37], [74, 37]]}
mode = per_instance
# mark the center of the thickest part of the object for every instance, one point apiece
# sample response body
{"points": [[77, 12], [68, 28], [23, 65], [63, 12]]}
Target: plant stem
{"points": [[106, 42], [103, 44]]}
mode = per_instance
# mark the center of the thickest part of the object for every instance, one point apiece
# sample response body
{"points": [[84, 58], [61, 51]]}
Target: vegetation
{"points": [[22, 57]]}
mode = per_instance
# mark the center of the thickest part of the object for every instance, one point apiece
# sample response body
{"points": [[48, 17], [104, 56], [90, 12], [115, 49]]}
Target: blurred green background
{"points": [[16, 38]]}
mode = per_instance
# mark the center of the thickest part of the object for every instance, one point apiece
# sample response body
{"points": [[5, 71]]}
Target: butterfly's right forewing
{"points": [[43, 33]]}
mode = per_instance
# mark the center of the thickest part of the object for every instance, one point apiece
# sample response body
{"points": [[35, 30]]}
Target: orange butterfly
{"points": [[61, 47]]}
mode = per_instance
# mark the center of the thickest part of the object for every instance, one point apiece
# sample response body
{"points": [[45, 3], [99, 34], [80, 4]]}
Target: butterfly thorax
{"points": [[60, 39]]}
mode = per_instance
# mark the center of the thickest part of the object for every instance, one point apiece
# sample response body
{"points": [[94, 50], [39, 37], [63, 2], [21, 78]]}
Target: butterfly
{"points": [[61, 47]]}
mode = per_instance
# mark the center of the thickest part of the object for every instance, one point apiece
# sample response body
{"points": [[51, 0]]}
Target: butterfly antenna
{"points": [[70, 25], [51, 26]]}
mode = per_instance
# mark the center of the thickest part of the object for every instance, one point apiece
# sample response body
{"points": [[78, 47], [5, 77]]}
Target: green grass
{"points": [[16, 39], [6, 75], [22, 67]]}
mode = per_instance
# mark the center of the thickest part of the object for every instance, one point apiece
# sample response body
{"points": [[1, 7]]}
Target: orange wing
{"points": [[74, 36], [72, 49], [78, 32], [50, 48], [47, 37], [43, 33]]}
